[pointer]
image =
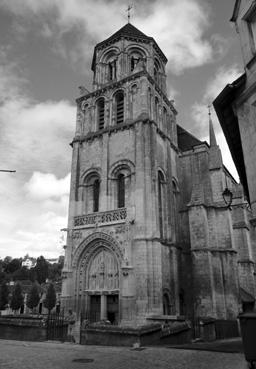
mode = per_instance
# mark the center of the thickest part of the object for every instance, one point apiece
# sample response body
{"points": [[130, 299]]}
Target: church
{"points": [[149, 234]]}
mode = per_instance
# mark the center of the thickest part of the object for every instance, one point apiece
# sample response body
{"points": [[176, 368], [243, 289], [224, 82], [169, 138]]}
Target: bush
{"points": [[17, 299], [4, 295], [33, 297], [50, 298]]}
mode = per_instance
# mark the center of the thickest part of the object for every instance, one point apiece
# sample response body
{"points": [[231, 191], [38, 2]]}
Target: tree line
{"points": [[16, 300], [12, 270]]}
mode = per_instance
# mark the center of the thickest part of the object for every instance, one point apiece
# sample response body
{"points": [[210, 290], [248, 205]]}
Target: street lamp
{"points": [[227, 197]]}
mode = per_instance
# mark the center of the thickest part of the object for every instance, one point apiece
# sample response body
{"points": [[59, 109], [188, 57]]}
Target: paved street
{"points": [[30, 355]]}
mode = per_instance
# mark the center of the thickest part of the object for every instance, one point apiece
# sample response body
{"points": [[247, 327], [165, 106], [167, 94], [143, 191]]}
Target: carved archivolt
{"points": [[90, 245], [120, 164]]}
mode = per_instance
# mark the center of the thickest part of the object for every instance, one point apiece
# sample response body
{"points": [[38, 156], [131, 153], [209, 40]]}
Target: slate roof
{"points": [[127, 31], [186, 141]]}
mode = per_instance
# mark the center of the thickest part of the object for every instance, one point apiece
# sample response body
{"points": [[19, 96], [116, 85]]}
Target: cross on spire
{"points": [[209, 109], [129, 7]]}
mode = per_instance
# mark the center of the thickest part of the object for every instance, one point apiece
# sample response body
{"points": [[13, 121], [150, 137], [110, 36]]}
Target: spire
{"points": [[215, 157], [213, 141]]}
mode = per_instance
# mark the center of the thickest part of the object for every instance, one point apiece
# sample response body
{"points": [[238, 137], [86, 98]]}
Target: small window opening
{"points": [[96, 193], [121, 191], [119, 108]]}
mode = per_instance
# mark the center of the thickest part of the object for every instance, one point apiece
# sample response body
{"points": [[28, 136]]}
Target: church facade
{"points": [[149, 234]]}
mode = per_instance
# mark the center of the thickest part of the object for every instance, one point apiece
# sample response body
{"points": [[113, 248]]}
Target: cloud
{"points": [[43, 186], [75, 26], [214, 86], [34, 140]]}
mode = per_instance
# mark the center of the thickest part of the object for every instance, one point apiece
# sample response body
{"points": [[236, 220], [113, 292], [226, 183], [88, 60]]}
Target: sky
{"points": [[46, 49]]}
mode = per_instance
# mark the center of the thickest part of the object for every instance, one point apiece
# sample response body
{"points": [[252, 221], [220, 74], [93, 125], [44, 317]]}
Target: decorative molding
{"points": [[246, 261], [93, 242], [101, 218], [240, 225], [121, 127], [208, 249]]}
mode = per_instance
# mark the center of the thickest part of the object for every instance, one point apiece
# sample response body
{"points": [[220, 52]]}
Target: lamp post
{"points": [[227, 197]]}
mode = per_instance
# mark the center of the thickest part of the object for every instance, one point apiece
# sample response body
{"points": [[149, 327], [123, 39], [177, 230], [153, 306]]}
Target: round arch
{"points": [[108, 54]]}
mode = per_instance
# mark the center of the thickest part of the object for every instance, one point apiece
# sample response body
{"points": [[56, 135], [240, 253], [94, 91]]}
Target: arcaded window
{"points": [[119, 105], [100, 106], [134, 61], [121, 191], [164, 118], [157, 69], [112, 70], [96, 195], [156, 109], [91, 193], [166, 304], [175, 205], [121, 176]]}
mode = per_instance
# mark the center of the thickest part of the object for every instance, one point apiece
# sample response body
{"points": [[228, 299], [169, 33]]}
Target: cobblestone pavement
{"points": [[51, 355]]}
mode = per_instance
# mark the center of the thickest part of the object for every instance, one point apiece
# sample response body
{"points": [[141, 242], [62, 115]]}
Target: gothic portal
{"points": [[149, 234]]}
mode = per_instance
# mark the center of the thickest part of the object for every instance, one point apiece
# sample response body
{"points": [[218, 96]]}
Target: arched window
{"points": [[166, 304], [161, 202], [112, 70], [96, 195], [91, 193], [164, 118], [150, 102], [119, 102], [157, 69], [121, 191], [100, 113], [134, 61], [134, 108], [175, 205], [156, 109]]}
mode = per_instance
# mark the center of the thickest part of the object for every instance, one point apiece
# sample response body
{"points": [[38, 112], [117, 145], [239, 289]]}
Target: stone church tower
{"points": [[148, 231]]}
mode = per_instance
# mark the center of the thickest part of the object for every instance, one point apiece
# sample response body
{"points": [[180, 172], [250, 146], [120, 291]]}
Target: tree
{"points": [[41, 269], [33, 297], [17, 299], [4, 295], [21, 274], [12, 266], [50, 298]]}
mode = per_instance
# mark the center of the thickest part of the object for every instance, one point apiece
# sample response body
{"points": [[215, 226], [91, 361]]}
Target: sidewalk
{"points": [[52, 355], [232, 345]]}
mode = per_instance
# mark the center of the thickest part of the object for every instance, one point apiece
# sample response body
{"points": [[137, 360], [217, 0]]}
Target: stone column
{"points": [[103, 307]]}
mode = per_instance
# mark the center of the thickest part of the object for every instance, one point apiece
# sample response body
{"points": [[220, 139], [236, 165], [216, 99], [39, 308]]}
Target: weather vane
{"points": [[128, 11]]}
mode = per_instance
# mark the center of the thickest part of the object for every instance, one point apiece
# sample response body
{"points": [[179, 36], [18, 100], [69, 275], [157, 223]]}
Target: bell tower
{"points": [[121, 261]]}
